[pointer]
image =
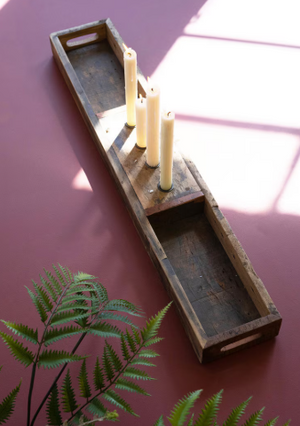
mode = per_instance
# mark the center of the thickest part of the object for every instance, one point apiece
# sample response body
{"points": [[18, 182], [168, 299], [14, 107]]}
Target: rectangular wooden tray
{"points": [[222, 303]]}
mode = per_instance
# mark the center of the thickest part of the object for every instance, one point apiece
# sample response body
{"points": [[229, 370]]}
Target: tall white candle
{"points": [[166, 149], [140, 109], [153, 123], [130, 74]]}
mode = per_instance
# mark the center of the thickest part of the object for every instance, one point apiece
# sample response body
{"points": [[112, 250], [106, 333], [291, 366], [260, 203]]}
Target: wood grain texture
{"points": [[223, 305]]}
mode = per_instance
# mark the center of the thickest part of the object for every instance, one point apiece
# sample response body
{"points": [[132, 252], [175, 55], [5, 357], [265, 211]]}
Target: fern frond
{"points": [[39, 307], [182, 408], [115, 360], [79, 289], [55, 334], [125, 351], [65, 317], [66, 307], [191, 421], [130, 341], [135, 373], [22, 331], [116, 317], [97, 408], [287, 423], [53, 411], [101, 292], [65, 273], [98, 376], [112, 397], [160, 422], [68, 395], [272, 422], [152, 326], [85, 390], [107, 365], [136, 334], [17, 350], [76, 298], [53, 359], [130, 387], [49, 288], [210, 410], [153, 341], [237, 413], [54, 282], [255, 418], [148, 353], [82, 276], [142, 361], [43, 297], [123, 306], [8, 404], [59, 276], [104, 329]]}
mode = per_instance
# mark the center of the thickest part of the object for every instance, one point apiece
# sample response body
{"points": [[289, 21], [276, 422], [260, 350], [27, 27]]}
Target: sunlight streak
{"points": [[81, 182]]}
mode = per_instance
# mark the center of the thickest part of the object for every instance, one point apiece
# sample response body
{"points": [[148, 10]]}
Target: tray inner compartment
{"points": [[203, 268]]}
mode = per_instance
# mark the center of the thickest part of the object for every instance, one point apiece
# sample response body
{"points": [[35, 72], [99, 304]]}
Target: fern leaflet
{"points": [[255, 418], [160, 422], [153, 341], [112, 397], [152, 325], [8, 404], [130, 387], [148, 353], [182, 408], [65, 273], [123, 306], [49, 288], [43, 297], [115, 360], [98, 376], [125, 351], [97, 408], [59, 276], [236, 414], [41, 311], [272, 422], [22, 331], [101, 292], [85, 390], [137, 374], [130, 341], [116, 317], [104, 329], [142, 361], [68, 395], [82, 276], [55, 334], [17, 350], [108, 369], [53, 412], [53, 359], [210, 410], [64, 317], [54, 282]]}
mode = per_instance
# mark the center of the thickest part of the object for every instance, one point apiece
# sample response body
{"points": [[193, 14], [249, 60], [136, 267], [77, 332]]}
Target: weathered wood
{"points": [[223, 305]]}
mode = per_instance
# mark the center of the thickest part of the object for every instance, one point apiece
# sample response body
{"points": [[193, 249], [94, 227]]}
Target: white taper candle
{"points": [[153, 124], [140, 109], [166, 149], [130, 74]]}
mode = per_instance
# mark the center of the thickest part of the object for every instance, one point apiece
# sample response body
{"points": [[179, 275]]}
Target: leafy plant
{"points": [[8, 404], [208, 416]]}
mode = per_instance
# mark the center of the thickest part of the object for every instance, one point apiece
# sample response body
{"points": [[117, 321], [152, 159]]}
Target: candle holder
{"points": [[165, 190], [152, 167], [129, 127], [140, 147]]}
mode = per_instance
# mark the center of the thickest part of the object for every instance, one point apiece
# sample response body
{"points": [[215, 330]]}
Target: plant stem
{"points": [[35, 362]]}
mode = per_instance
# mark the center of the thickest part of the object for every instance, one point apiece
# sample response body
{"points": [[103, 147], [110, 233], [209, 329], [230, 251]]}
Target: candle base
{"points": [[140, 147], [165, 190], [129, 127], [152, 167]]}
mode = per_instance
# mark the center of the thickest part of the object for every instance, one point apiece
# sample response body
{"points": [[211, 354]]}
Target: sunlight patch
{"points": [[80, 181]]}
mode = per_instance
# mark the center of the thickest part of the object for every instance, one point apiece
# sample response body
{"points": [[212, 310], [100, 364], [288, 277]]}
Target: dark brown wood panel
{"points": [[207, 275]]}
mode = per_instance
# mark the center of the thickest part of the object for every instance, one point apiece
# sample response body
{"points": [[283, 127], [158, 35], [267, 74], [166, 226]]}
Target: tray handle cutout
{"points": [[82, 40], [241, 342]]}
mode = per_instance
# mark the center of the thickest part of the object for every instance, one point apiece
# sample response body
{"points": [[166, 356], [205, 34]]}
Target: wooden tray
{"points": [[223, 304]]}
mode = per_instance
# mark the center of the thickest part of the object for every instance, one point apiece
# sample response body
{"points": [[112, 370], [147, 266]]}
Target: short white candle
{"points": [[140, 109], [153, 124], [166, 149], [130, 74]]}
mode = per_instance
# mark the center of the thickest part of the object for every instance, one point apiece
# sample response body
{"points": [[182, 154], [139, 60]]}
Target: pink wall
{"points": [[48, 217]]}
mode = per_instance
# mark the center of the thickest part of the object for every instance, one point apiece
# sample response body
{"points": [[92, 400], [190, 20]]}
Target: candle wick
{"points": [[128, 53], [170, 112], [152, 90]]}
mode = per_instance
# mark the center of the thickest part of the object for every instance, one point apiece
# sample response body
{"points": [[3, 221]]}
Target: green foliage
{"points": [[255, 419], [52, 410], [68, 394], [17, 350], [53, 359], [115, 399], [98, 378], [56, 334], [104, 329], [153, 324], [209, 412], [236, 414], [8, 404], [23, 331], [85, 390], [182, 409]]}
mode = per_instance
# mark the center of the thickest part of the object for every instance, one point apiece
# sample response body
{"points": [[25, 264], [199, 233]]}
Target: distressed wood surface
{"points": [[223, 305]]}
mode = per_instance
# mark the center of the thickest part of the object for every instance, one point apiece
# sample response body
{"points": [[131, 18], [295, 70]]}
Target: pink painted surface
{"points": [[231, 73]]}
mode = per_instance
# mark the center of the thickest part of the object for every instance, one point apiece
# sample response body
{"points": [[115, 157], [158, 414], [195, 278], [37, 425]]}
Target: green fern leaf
{"points": [[68, 395], [160, 422], [65, 273], [97, 408], [236, 414], [82, 276], [210, 410], [136, 335], [129, 386], [107, 365], [53, 411], [116, 317], [115, 360], [38, 305], [152, 326], [191, 421], [49, 288], [112, 397], [85, 390], [53, 359], [137, 374], [142, 361], [65, 317], [66, 307], [98, 376], [101, 292], [59, 276], [148, 353], [23, 331], [130, 341], [79, 289], [287, 423], [55, 334], [125, 351], [272, 422], [17, 350], [54, 282], [80, 418], [182, 408], [255, 419], [153, 341], [104, 330], [123, 306], [8, 404], [76, 298], [43, 297]]}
